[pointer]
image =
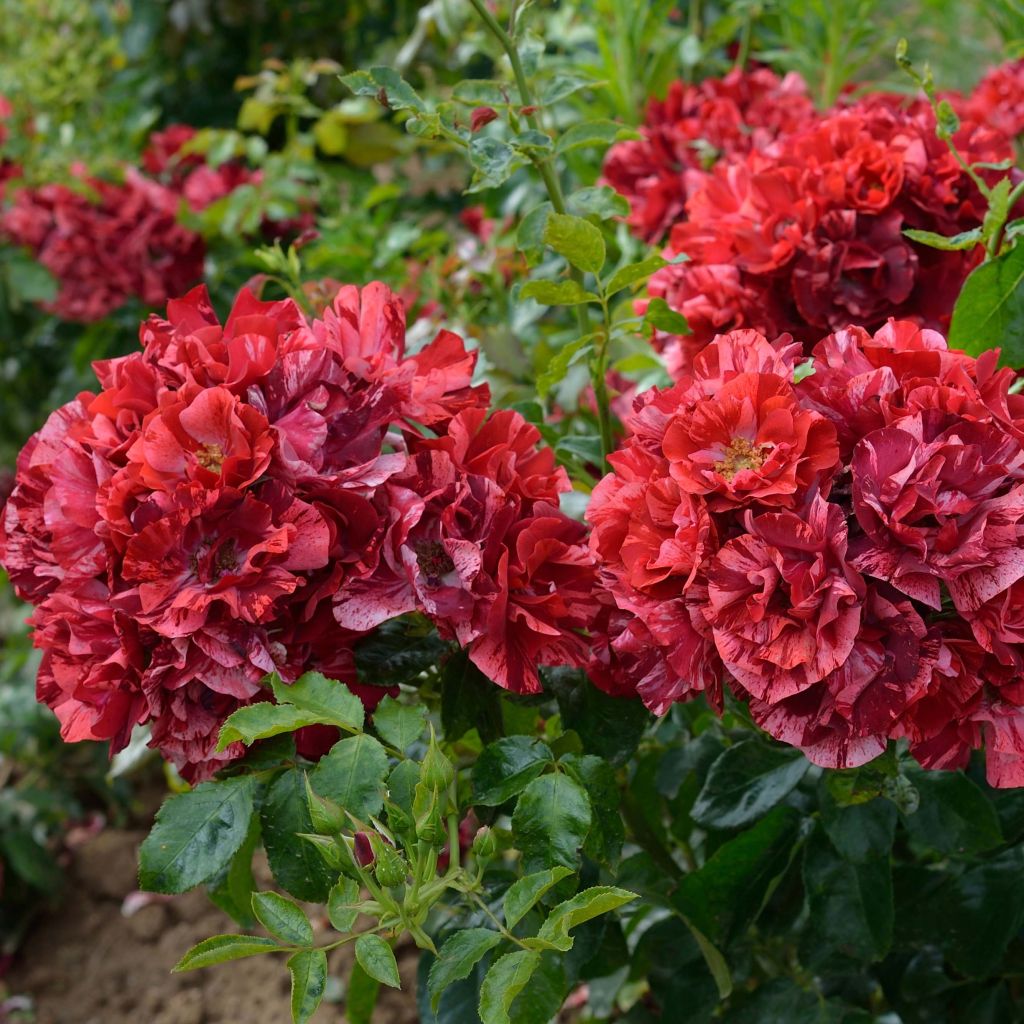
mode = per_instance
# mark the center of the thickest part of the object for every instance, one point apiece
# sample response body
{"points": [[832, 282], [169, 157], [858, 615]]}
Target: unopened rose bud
{"points": [[480, 117]]}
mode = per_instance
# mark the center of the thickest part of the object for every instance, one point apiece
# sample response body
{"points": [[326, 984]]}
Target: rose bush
{"points": [[630, 683]]}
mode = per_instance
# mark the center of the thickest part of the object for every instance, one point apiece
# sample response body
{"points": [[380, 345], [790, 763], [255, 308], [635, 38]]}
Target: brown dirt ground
{"points": [[89, 964]]}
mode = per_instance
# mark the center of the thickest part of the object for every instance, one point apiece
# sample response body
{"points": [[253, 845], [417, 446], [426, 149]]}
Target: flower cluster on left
{"points": [[250, 498]]}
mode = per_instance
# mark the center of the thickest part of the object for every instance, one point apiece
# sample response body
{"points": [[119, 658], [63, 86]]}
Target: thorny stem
{"points": [[554, 189]]}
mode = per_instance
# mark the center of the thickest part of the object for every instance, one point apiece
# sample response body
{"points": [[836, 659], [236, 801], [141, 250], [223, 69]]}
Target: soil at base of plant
{"points": [[87, 963]]}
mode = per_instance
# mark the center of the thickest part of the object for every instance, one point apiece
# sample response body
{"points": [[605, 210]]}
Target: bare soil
{"points": [[91, 964]]}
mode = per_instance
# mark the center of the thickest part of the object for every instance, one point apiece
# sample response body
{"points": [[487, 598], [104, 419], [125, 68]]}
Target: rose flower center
{"points": [[210, 456], [741, 454], [433, 560]]}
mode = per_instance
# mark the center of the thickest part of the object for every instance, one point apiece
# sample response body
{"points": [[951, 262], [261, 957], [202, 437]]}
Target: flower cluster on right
{"points": [[845, 543], [794, 221]]}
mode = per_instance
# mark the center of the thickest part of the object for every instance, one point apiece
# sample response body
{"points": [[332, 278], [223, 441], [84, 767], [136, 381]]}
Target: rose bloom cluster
{"points": [[107, 242], [805, 232], [845, 552], [692, 128], [253, 497]]}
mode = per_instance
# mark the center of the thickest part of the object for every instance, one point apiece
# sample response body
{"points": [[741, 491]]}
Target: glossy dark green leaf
{"points": [[989, 312], [954, 816], [457, 957], [459, 1001], [550, 822], [977, 914], [231, 888], [850, 905], [610, 727], [281, 917], [746, 781], [352, 774], [607, 832], [196, 834], [540, 1001], [398, 651], [725, 895], [507, 767], [296, 865], [308, 971], [861, 831], [469, 700]]}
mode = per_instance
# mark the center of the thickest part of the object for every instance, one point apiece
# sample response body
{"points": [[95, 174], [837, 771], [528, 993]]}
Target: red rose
{"points": [[751, 443]]}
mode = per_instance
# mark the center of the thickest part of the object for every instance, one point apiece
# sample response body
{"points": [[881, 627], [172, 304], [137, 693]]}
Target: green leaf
{"points": [[457, 958], [196, 834], [341, 904], [557, 293], [524, 893], [725, 895], [600, 201], [361, 998], [948, 243], [607, 833], [530, 233], [633, 272], [593, 133], [469, 700], [507, 977], [850, 905], [979, 912], [584, 906], [28, 280], [481, 92], [745, 781], [561, 85], [861, 831], [333, 703], [566, 357], [282, 918], [400, 95], [576, 239], [990, 310], [507, 767], [377, 958], [352, 774], [309, 979], [954, 815], [610, 727], [401, 725], [259, 721], [398, 651], [221, 948], [585, 448], [550, 822], [231, 889], [493, 163], [662, 317], [296, 864]]}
